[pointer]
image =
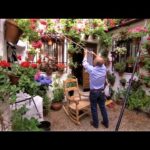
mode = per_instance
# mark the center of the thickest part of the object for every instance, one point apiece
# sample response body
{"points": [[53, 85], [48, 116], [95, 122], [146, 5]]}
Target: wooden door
{"points": [[85, 75]]}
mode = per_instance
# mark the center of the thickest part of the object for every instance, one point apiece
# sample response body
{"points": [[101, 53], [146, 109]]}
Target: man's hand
{"points": [[85, 52], [94, 53]]}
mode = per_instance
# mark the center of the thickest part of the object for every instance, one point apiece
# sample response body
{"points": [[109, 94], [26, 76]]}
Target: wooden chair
{"points": [[77, 105]]}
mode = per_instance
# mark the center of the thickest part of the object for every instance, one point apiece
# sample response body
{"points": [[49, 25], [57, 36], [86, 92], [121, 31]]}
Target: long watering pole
{"points": [[128, 91], [76, 43]]}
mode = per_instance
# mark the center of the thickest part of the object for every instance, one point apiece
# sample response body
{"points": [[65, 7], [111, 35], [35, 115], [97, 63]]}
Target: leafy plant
{"points": [[123, 82], [130, 60], [147, 64], [58, 94], [136, 84], [135, 100], [120, 67], [146, 81], [20, 123], [111, 78]]}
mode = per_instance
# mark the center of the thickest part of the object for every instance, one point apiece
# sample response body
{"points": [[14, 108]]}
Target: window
{"points": [[132, 49]]}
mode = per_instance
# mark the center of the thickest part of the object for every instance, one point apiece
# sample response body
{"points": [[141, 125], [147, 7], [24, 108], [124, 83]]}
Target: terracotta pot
{"points": [[86, 37], [13, 79], [12, 32], [56, 106], [130, 65], [31, 57], [120, 74]]}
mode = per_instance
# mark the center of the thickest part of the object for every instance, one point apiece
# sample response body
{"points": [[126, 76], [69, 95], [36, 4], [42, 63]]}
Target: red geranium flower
{"points": [[34, 65], [39, 61], [4, 64], [61, 66], [25, 64], [37, 44], [148, 38], [43, 22], [33, 20], [19, 57], [32, 26]]}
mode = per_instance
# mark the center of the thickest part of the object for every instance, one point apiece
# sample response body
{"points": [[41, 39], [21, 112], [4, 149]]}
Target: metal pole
{"points": [[128, 90]]}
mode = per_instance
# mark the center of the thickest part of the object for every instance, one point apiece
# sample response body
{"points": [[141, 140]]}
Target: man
{"points": [[97, 74]]}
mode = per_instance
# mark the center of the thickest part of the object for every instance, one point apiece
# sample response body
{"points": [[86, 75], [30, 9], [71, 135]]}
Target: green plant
{"points": [[135, 100], [72, 49], [20, 123], [146, 81], [73, 64], [130, 60], [58, 95], [123, 82], [120, 94], [147, 64], [111, 78], [28, 85], [29, 32], [120, 67], [135, 84]]}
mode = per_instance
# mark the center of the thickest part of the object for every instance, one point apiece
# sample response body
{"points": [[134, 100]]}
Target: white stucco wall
{"points": [[3, 52]]}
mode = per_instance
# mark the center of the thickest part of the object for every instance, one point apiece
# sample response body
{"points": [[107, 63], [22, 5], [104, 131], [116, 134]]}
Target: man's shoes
{"points": [[91, 122], [104, 124]]}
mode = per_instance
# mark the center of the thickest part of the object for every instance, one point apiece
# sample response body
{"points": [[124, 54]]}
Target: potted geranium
{"points": [[31, 54], [137, 32], [61, 67]]}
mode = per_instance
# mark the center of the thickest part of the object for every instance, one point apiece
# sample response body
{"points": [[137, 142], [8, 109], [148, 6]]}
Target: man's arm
{"points": [[86, 65]]}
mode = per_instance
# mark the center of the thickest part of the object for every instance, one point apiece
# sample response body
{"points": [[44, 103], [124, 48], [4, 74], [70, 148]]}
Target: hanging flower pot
{"points": [[136, 40], [12, 32], [31, 57], [86, 37]]}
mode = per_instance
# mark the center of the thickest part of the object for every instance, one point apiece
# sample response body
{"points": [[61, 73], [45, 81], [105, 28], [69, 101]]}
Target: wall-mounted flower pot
{"points": [[31, 57], [12, 32], [13, 79], [56, 106], [45, 125]]}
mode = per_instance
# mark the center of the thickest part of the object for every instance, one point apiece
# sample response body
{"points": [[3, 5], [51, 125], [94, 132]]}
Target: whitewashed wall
{"points": [[3, 52]]}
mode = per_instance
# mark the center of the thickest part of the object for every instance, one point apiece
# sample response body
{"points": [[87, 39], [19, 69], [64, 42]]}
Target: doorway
{"points": [[80, 72]]}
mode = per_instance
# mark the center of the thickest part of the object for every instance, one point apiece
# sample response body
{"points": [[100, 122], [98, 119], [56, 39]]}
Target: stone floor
{"points": [[131, 121]]}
